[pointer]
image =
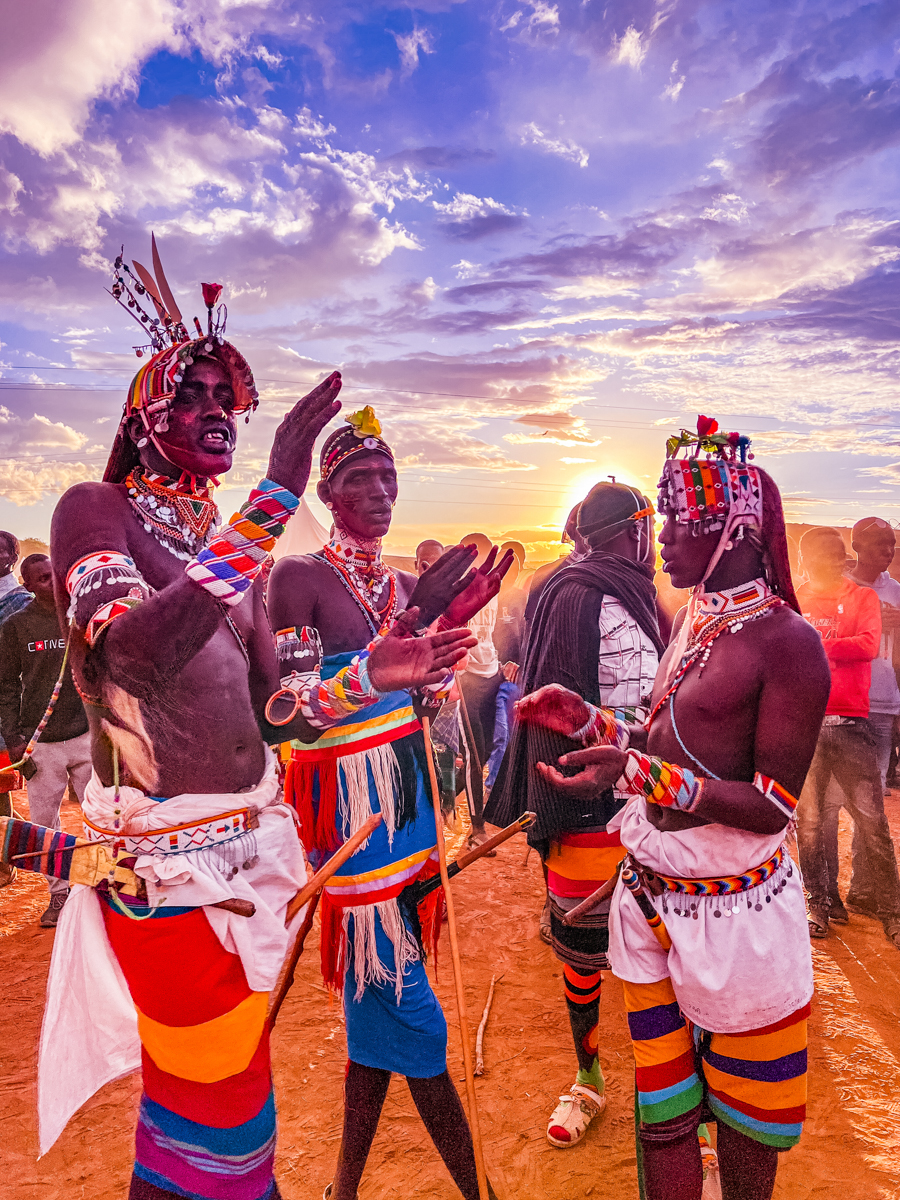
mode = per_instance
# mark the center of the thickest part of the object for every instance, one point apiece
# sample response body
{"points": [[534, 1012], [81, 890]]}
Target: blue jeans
{"points": [[844, 774], [507, 694], [882, 726]]}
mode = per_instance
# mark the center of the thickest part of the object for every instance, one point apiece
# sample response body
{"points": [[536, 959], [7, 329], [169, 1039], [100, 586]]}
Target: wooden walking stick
{"points": [[457, 970], [310, 893]]}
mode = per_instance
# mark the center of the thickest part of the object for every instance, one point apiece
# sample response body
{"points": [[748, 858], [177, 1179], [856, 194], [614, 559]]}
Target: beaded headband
{"points": [[710, 493], [363, 433]]}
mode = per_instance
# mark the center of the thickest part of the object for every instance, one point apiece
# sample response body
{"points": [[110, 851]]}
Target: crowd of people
{"points": [[205, 708]]}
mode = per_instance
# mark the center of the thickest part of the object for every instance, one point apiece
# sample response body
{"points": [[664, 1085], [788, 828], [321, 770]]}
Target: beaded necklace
{"points": [[357, 563], [180, 515], [728, 609]]}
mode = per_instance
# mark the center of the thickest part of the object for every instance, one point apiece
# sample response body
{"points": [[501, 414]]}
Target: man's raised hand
{"points": [[290, 459], [399, 661], [442, 582], [555, 708], [603, 765], [481, 586]]}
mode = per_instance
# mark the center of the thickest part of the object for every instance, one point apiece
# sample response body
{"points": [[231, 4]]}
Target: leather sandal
{"points": [[571, 1117], [818, 922]]}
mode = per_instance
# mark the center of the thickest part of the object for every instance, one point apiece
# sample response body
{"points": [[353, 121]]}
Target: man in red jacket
{"points": [[848, 618]]}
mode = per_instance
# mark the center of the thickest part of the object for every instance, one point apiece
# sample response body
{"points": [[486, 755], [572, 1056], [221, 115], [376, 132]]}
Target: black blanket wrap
{"points": [[564, 647]]}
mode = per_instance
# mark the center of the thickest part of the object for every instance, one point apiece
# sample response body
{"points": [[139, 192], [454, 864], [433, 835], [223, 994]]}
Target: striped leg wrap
{"points": [[582, 989], [756, 1081], [206, 1128], [669, 1091]]}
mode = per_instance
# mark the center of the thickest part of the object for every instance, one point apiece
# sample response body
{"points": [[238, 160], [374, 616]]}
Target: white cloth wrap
{"points": [[730, 974], [89, 1034]]}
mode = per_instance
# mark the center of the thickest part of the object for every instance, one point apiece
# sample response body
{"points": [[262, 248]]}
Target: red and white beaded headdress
{"points": [[172, 350]]}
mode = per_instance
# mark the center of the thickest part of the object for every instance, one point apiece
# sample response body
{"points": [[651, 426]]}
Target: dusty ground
{"points": [[851, 1147]]}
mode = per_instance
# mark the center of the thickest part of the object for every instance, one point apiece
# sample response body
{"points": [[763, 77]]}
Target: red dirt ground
{"points": [[849, 1149]]}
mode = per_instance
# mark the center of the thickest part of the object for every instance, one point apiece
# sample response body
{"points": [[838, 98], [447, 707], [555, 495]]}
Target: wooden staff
{"points": [[287, 978], [457, 970], [603, 892], [427, 886], [337, 859], [310, 892]]}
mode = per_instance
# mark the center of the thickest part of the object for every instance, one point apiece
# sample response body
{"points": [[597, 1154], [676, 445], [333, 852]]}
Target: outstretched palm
{"points": [[481, 586], [601, 768], [400, 661]]}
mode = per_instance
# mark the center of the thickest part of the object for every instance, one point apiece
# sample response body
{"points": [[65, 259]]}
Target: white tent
{"points": [[303, 534]]}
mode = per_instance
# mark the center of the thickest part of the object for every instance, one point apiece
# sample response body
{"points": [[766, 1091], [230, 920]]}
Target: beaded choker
{"points": [[728, 610], [744, 601], [180, 515], [358, 563]]}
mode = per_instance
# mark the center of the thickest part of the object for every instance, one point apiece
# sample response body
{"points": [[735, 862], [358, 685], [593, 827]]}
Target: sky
{"points": [[537, 237]]}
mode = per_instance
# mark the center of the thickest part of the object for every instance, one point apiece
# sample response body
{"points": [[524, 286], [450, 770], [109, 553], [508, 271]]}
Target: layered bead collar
{"points": [[180, 514], [729, 605]]}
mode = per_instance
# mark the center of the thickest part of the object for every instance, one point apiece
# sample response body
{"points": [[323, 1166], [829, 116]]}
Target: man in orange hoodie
{"points": [[848, 618]]}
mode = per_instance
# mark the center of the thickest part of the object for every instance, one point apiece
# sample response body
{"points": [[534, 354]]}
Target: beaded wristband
{"points": [[323, 704], [602, 728], [228, 566], [772, 790], [662, 783]]}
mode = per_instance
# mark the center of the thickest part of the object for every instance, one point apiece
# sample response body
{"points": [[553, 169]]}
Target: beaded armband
{"points": [[299, 653], [231, 562], [433, 695], [104, 571], [662, 783], [772, 790], [322, 702], [602, 728]]}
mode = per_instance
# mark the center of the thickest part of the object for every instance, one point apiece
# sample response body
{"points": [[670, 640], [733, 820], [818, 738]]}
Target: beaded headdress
{"points": [[172, 351], [724, 493], [362, 432], [721, 489]]}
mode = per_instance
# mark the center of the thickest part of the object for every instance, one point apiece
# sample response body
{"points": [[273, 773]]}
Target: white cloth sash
{"points": [[89, 1033]]}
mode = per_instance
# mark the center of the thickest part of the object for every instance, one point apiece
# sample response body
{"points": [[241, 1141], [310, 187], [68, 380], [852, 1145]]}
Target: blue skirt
{"points": [[410, 1037]]}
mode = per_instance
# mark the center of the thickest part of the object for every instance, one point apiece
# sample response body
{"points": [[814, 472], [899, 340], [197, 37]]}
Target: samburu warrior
{"points": [[708, 923], [173, 654], [325, 608]]}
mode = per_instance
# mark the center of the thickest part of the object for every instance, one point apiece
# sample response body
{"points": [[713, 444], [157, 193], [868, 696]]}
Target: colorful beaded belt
{"points": [[729, 885], [177, 839]]}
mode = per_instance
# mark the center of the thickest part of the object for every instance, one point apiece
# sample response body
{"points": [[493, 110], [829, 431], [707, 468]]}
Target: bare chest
{"points": [[709, 722], [347, 617]]}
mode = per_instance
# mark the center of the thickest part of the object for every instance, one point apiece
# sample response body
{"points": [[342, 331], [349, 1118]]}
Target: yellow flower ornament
{"points": [[365, 423]]}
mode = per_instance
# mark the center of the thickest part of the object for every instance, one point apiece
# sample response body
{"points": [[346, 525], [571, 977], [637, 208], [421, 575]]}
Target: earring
{"points": [[328, 504], [142, 443], [729, 545]]}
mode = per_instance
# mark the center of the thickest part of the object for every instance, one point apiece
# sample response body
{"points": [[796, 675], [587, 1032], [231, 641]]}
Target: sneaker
{"points": [[50, 915]]}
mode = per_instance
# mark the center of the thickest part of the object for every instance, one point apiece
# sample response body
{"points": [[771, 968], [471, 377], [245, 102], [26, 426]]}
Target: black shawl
{"points": [[564, 647]]}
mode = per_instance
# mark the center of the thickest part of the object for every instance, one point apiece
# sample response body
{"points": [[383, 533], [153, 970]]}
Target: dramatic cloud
{"points": [[530, 228]]}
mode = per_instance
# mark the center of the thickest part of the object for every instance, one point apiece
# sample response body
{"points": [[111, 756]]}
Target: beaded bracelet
{"points": [[772, 790], [662, 783], [324, 703], [602, 728], [228, 566]]}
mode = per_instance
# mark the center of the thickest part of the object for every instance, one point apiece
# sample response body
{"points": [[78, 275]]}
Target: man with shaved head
{"points": [[427, 554]]}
